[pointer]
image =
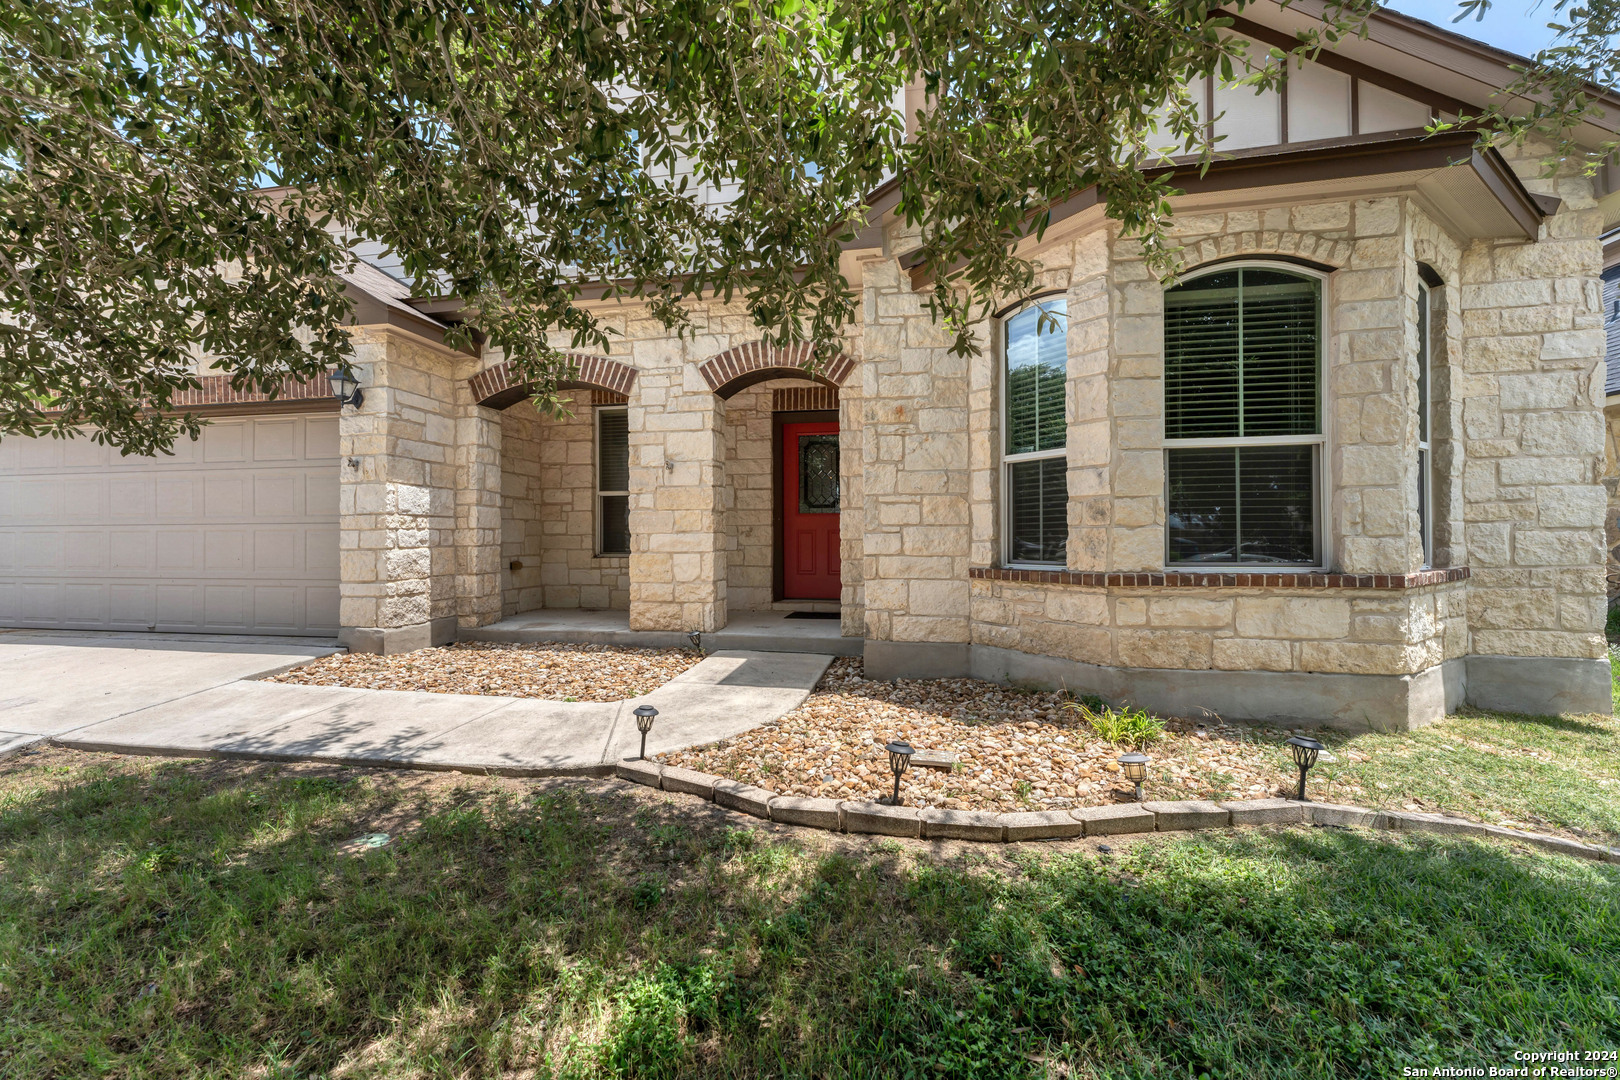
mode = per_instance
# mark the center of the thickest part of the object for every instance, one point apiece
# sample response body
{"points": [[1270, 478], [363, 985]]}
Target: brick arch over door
{"points": [[498, 388], [742, 366]]}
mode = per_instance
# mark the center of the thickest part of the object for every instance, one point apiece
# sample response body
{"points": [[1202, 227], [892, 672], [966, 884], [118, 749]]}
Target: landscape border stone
{"points": [[989, 827], [1188, 814]]}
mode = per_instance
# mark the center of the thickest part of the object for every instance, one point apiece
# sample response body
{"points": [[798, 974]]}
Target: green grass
{"points": [[1537, 771], [190, 919]]}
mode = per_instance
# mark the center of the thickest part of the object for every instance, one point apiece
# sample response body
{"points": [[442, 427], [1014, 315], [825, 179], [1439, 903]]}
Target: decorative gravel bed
{"points": [[1016, 750], [549, 669]]}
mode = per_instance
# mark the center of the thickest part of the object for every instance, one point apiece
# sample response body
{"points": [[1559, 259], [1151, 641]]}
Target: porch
{"points": [[754, 631]]}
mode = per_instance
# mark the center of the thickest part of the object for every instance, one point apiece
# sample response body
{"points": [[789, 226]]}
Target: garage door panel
{"points": [[179, 607], [41, 549], [320, 438], [130, 549], [227, 607], [225, 496], [225, 550], [321, 607], [85, 454], [39, 500], [85, 603], [234, 532], [225, 441], [176, 551], [275, 440], [321, 551], [129, 498], [130, 607], [85, 551], [278, 495], [278, 607], [278, 551], [175, 498], [321, 494], [39, 453]]}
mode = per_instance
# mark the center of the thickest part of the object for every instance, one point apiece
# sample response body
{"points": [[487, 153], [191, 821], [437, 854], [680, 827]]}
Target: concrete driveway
{"points": [[193, 696], [56, 682]]}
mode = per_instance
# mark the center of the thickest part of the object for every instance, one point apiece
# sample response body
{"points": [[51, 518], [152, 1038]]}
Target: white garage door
{"points": [[235, 533]]}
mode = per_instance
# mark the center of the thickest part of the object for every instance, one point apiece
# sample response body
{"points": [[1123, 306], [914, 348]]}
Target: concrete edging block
{"points": [[871, 817], [745, 797], [1345, 817], [1042, 825], [989, 827], [689, 781], [1265, 812], [963, 825], [1112, 820], [640, 771], [814, 813], [1408, 821], [1188, 814]]}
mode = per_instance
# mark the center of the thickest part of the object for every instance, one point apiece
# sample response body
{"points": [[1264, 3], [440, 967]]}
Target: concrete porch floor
{"points": [[757, 631]]}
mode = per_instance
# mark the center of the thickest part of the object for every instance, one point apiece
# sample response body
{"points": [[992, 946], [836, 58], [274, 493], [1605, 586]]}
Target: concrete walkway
{"points": [[724, 695]]}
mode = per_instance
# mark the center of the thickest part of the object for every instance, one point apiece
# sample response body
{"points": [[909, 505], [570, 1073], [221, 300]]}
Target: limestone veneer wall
{"points": [[548, 514], [1533, 431], [419, 504]]}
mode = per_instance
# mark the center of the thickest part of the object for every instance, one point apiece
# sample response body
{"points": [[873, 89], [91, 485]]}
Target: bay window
{"points": [[1243, 418], [1035, 486]]}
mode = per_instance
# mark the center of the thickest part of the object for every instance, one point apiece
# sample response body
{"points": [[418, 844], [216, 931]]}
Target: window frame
{"points": [[1321, 440], [597, 491], [1425, 421], [1005, 461]]}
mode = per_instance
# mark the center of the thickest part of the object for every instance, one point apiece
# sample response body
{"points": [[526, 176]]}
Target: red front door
{"points": [[810, 511]]}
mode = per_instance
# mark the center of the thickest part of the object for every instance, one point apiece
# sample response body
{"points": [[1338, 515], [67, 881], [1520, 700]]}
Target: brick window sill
{"points": [[1181, 579]]}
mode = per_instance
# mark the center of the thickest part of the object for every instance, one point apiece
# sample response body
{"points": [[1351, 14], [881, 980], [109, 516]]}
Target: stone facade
{"points": [[458, 512], [548, 513]]}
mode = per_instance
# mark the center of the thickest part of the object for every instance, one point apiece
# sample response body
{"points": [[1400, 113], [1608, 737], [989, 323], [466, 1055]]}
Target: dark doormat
{"points": [[812, 615]]}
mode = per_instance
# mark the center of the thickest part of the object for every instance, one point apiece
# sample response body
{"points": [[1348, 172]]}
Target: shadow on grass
{"points": [[203, 919]]}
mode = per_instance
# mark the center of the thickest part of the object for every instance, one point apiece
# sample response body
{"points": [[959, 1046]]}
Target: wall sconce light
{"points": [[345, 387]]}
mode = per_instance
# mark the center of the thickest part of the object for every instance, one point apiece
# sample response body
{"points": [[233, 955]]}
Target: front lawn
{"points": [[212, 919]]}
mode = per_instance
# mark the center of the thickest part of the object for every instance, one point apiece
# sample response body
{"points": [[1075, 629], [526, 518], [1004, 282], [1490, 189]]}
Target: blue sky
{"points": [[1519, 26]]}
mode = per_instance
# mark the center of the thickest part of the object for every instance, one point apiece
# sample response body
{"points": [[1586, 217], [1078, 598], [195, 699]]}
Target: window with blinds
{"points": [[1242, 418], [612, 482], [1425, 483], [1035, 490]]}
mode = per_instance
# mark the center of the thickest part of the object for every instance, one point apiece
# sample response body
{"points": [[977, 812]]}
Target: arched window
{"points": [[1243, 418], [1035, 486]]}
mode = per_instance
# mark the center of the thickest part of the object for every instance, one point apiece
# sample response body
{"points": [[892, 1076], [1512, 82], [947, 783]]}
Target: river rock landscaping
{"points": [[1015, 750], [549, 670]]}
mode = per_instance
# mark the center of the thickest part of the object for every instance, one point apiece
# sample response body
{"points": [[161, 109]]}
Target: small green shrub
{"points": [[1128, 727]]}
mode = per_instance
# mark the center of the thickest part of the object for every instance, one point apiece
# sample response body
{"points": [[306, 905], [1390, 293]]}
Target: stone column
{"points": [[1533, 436], [915, 446], [677, 483], [397, 500], [478, 514]]}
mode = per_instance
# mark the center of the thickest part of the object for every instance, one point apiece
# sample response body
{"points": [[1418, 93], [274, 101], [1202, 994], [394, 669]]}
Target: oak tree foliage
{"points": [[173, 173]]}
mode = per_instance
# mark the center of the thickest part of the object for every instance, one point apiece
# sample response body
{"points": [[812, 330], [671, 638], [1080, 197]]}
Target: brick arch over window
{"points": [[742, 366], [498, 388]]}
